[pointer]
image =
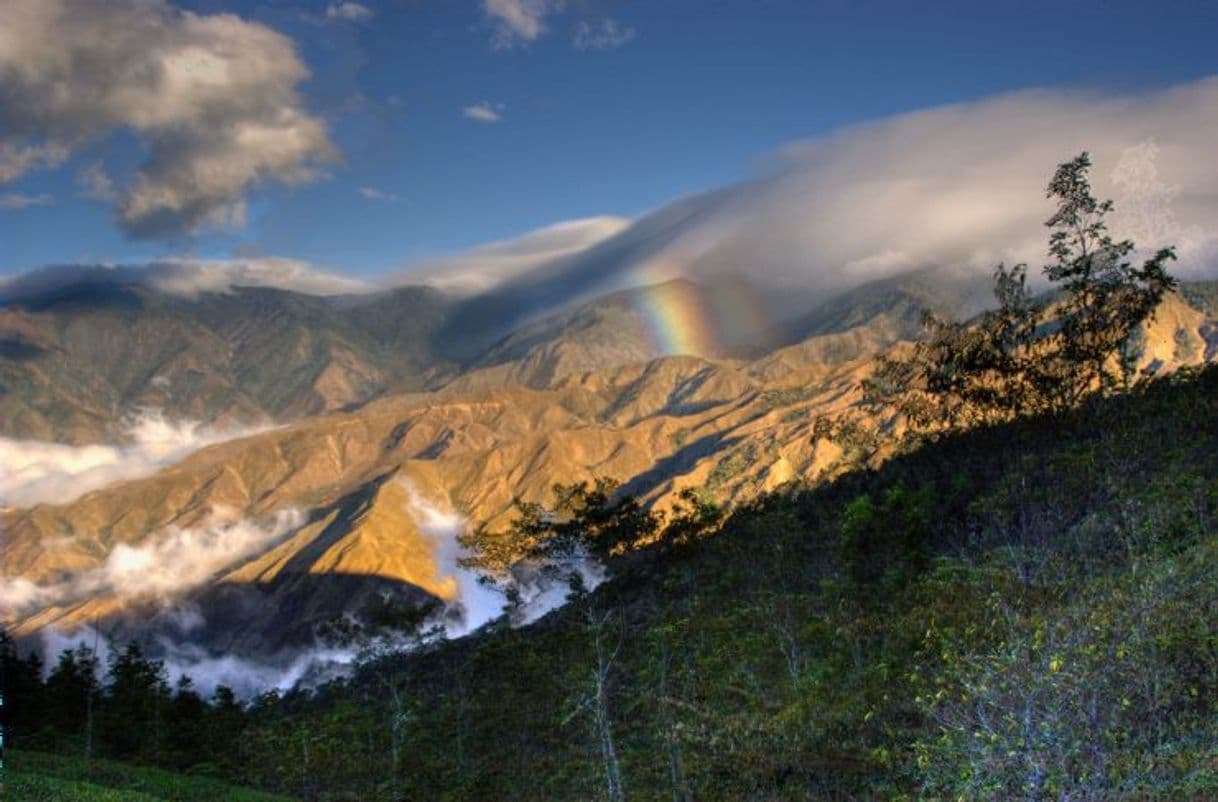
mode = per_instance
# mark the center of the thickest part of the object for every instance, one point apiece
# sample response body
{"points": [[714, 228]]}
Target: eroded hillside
{"points": [[288, 528]]}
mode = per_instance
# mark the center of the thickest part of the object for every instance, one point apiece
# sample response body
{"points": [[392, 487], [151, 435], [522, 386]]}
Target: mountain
{"points": [[79, 358], [292, 528], [654, 425], [1010, 605], [1036, 596]]}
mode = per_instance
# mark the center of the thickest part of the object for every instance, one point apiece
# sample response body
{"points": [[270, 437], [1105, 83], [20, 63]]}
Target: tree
{"points": [[596, 698], [225, 726], [1030, 356], [71, 689], [137, 697], [886, 540], [22, 694], [187, 713], [693, 516], [1106, 296], [585, 520]]}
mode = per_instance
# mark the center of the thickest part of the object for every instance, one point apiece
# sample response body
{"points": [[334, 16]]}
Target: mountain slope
{"points": [[942, 627], [322, 511], [76, 360]]}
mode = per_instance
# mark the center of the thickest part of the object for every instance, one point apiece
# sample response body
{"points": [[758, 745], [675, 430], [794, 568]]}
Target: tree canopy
{"points": [[1036, 354]]}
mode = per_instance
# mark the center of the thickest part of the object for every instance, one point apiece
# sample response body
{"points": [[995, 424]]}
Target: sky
{"points": [[366, 137]]}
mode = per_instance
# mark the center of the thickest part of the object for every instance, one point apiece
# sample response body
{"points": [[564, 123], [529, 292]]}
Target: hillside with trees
{"points": [[1026, 610]]}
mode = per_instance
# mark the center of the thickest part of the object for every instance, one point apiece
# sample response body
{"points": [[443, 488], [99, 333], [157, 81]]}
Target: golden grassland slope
{"points": [[728, 428]]}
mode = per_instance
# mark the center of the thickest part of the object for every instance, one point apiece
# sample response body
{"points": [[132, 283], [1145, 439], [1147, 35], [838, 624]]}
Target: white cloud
{"points": [[18, 159], [484, 112], [212, 97], [477, 603], [16, 200], [169, 564], [374, 194], [188, 277], [160, 568], [351, 12], [487, 265], [95, 183], [540, 591], [36, 472], [960, 186], [519, 22], [245, 676], [605, 35]]}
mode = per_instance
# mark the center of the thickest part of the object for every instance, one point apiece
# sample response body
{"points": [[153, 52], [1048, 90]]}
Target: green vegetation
{"points": [[131, 715], [1022, 611], [1036, 355], [40, 777]]}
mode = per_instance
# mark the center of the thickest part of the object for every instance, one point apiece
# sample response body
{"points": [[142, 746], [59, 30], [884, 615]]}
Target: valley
{"points": [[312, 519]]}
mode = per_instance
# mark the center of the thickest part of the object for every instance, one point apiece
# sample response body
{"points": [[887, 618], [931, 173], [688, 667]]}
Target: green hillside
{"points": [[1025, 611], [39, 777], [1021, 611]]}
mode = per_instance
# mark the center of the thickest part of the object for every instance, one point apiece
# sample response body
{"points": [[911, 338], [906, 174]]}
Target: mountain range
{"points": [[351, 436]]}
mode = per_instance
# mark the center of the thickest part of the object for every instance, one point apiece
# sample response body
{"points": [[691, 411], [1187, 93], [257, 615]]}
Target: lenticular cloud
{"points": [[959, 188]]}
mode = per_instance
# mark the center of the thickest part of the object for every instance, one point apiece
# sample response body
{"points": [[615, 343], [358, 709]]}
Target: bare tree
{"points": [[595, 701]]}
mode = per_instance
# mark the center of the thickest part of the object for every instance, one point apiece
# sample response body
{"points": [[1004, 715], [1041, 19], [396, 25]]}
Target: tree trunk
{"points": [[602, 720]]}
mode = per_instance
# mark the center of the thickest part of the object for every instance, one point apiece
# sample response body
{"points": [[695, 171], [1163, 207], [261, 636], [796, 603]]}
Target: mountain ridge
{"points": [[724, 427]]}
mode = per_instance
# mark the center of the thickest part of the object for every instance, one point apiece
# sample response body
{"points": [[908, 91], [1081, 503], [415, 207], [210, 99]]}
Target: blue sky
{"points": [[683, 95]]}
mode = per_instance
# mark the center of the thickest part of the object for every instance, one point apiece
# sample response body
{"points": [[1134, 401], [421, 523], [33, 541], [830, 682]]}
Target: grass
{"points": [[42, 777]]}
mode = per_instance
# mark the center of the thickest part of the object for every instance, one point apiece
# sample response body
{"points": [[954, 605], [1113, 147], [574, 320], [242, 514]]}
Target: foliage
{"points": [[587, 519], [888, 540], [1029, 355], [1106, 297], [42, 777]]}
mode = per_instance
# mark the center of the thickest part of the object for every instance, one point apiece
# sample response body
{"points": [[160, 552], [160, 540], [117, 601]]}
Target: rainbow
{"points": [[678, 320], [687, 318]]}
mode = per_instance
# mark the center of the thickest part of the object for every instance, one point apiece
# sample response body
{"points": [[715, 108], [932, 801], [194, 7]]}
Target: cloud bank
{"points": [[189, 277], [166, 566], [212, 97], [246, 677], [159, 568], [959, 187], [36, 472], [185, 278], [477, 603], [488, 265]]}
